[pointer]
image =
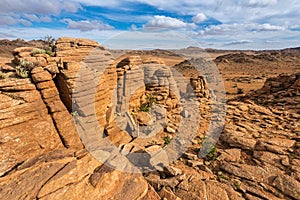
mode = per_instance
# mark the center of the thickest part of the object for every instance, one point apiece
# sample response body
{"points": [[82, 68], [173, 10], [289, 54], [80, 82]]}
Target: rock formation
{"points": [[42, 156], [50, 144], [282, 92]]}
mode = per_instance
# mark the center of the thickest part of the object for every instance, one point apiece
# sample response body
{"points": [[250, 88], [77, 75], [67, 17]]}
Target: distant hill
{"points": [[7, 46]]}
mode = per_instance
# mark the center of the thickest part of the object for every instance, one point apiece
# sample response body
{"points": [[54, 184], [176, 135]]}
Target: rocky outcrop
{"points": [[74, 50], [191, 70], [41, 156], [62, 119], [62, 174], [257, 157], [267, 139], [77, 90], [282, 92], [27, 129], [7, 46], [245, 58]]}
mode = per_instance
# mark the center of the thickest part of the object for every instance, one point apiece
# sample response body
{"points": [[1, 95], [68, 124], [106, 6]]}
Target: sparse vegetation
{"points": [[24, 68], [146, 107], [212, 154], [74, 113], [49, 45], [222, 176], [236, 184], [50, 42], [37, 51], [292, 156], [41, 51], [168, 139]]}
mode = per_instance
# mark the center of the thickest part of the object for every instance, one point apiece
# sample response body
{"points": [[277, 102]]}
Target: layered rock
{"points": [[191, 70], [281, 92], [245, 58], [40, 146], [26, 127], [34, 55], [76, 90]]}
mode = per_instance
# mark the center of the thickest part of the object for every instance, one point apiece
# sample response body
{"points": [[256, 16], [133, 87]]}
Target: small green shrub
{"points": [[37, 51], [74, 113], [236, 184], [146, 107], [222, 176], [41, 51], [50, 53], [24, 68], [212, 154], [168, 139]]}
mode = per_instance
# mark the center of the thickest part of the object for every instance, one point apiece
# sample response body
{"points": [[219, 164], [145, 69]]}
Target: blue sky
{"points": [[223, 24]]}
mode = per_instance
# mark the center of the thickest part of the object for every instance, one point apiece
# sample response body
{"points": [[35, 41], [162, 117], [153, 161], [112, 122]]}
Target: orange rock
{"points": [[39, 75]]}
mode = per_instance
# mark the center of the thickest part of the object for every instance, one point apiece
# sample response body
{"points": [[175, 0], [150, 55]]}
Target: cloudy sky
{"points": [[223, 24]]}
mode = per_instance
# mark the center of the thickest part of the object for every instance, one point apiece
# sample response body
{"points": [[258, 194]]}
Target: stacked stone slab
{"points": [[27, 129], [40, 146], [282, 92]]}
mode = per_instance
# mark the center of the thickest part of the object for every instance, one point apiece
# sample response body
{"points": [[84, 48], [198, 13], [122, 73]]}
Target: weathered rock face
{"points": [[256, 158], [62, 119], [74, 50], [244, 58], [282, 92], [61, 174], [42, 156], [188, 69], [26, 127]]}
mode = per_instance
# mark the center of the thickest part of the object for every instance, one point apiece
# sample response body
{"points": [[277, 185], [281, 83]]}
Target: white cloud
{"points": [[239, 42], [53, 7], [234, 11], [269, 27], [7, 36], [30, 33], [200, 17], [25, 22], [134, 27], [35, 18], [45, 19], [87, 25], [159, 22], [32, 17], [248, 36], [261, 3], [229, 29], [7, 20], [223, 29], [102, 3], [25, 12], [295, 27]]}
